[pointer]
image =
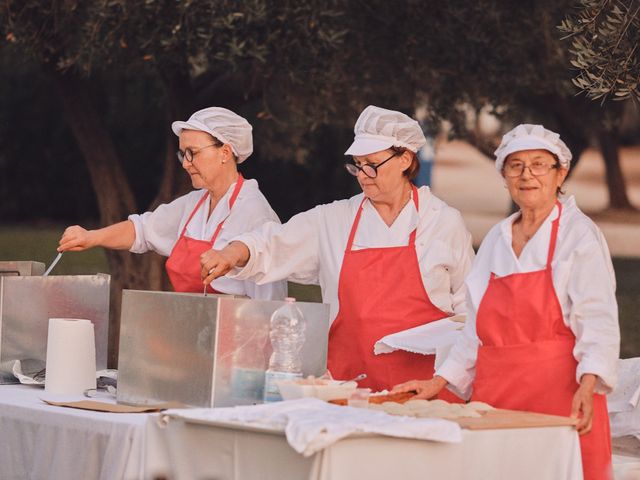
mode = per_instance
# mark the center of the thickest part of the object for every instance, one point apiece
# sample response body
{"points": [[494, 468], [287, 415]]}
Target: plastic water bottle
{"points": [[287, 328]]}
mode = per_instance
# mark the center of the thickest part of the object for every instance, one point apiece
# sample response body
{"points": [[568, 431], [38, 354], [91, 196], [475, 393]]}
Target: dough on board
{"points": [[433, 409]]}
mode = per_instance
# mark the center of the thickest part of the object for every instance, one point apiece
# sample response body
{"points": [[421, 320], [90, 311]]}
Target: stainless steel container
{"points": [[27, 303], [204, 351], [21, 269]]}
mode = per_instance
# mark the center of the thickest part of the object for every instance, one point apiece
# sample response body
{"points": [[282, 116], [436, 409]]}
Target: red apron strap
{"points": [[354, 226], [198, 205], [554, 235], [232, 200], [412, 237], [356, 221]]}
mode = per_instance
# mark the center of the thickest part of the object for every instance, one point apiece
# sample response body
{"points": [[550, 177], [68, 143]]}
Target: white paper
{"points": [[426, 339], [71, 356]]}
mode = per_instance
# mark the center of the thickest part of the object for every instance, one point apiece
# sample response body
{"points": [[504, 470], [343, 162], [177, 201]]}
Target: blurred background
{"points": [[89, 90]]}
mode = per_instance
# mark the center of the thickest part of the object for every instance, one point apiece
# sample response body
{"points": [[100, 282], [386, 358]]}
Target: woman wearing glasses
{"points": [[391, 258], [212, 144], [542, 329]]}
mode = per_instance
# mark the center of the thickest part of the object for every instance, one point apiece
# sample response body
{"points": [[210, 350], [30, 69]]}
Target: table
{"points": [[195, 449], [40, 441]]}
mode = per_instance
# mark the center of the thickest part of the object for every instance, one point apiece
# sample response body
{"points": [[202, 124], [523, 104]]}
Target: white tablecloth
{"points": [[196, 450], [40, 441]]}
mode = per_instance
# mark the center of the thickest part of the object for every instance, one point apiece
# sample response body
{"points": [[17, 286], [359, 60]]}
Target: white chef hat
{"points": [[224, 125], [532, 137], [378, 129]]}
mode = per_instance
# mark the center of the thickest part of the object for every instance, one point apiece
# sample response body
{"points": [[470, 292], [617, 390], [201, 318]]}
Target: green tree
{"points": [[605, 40], [257, 54], [510, 56], [300, 71]]}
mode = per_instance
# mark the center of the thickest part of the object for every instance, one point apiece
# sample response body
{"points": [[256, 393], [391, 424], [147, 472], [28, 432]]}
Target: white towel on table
{"points": [[626, 394], [434, 338], [624, 402], [311, 424]]}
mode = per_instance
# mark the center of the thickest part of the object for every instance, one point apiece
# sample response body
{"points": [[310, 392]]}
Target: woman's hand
{"points": [[426, 388], [119, 236], [582, 404], [216, 263], [75, 239]]}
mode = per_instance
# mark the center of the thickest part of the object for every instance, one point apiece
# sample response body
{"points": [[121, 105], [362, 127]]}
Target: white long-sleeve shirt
{"points": [[159, 231], [309, 248], [584, 282]]}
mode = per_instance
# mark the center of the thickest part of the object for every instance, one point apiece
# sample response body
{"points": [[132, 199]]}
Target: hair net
{"points": [[378, 129], [223, 124], [532, 137]]}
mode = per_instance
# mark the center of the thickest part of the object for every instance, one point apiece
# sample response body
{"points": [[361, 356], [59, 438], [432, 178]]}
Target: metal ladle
{"points": [[53, 264]]}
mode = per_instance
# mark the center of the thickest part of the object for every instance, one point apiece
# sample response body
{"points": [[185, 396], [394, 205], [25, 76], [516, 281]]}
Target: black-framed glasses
{"points": [[188, 154], [537, 169], [369, 169]]}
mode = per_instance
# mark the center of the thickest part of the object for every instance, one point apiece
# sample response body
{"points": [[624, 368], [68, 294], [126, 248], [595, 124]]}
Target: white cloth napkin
{"points": [[311, 424], [425, 339], [626, 395], [25, 379], [28, 378], [624, 402]]}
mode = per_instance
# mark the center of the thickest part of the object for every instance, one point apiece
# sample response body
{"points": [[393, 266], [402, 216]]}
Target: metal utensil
{"points": [[357, 378], [205, 285], [53, 264]]}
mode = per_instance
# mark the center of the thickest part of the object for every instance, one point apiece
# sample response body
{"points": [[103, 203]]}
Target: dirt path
{"points": [[468, 181]]}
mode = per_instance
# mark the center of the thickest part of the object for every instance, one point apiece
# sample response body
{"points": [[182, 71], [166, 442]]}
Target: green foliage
{"points": [[314, 62], [296, 68], [266, 47], [605, 41]]}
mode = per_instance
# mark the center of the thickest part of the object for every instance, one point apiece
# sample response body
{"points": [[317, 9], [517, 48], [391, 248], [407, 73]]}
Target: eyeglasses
{"points": [[537, 169], [369, 169], [188, 154]]}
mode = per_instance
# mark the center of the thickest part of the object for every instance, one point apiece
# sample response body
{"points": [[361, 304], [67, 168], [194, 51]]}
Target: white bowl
{"points": [[331, 390]]}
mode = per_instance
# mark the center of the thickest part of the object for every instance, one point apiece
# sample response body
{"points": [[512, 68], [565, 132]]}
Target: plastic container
{"points": [[327, 390], [287, 327]]}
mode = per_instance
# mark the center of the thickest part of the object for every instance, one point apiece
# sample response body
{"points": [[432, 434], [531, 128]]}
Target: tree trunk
{"points": [[114, 195], [618, 198]]}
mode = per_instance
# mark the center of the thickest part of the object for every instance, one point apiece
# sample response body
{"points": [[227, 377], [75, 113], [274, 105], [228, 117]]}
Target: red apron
{"points": [[380, 292], [183, 265], [526, 358]]}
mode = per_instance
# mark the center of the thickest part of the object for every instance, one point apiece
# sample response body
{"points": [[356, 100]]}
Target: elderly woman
{"points": [[388, 259], [212, 144], [542, 329]]}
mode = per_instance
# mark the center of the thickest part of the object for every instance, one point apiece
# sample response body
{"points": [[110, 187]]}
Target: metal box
{"points": [[21, 269], [204, 351], [27, 303]]}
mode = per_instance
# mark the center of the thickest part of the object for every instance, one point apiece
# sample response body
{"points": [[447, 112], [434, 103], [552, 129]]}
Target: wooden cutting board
{"points": [[496, 419]]}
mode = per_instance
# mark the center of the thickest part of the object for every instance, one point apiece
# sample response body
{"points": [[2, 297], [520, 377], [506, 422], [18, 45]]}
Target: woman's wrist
{"points": [[588, 381], [239, 253], [440, 381]]}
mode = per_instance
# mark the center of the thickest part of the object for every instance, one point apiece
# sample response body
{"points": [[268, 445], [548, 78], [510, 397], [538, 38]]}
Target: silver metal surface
{"points": [[204, 351], [21, 269], [27, 303]]}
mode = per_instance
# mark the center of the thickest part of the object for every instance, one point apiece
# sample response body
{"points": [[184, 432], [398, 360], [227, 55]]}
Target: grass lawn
{"points": [[39, 244]]}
